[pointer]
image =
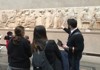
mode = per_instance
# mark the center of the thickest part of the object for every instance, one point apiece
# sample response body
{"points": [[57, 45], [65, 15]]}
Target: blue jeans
{"points": [[74, 64], [14, 68], [65, 61]]}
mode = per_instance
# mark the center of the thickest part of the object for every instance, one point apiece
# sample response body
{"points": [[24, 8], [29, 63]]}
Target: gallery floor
{"points": [[86, 63]]}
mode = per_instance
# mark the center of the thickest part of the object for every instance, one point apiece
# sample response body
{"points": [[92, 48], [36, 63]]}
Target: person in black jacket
{"points": [[19, 51], [53, 55], [52, 58], [75, 44], [38, 45]]}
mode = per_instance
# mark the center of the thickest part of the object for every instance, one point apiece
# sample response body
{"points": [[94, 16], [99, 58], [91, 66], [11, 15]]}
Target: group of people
{"points": [[45, 53]]}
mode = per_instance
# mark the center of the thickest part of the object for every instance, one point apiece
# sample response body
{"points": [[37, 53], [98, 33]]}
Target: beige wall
{"points": [[20, 4]]}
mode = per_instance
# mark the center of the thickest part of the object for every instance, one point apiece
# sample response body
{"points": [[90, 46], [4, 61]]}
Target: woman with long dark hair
{"points": [[39, 60], [39, 38], [43, 50], [19, 51]]}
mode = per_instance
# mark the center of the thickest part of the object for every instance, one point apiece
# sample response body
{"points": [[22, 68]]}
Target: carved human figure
{"points": [[28, 18], [11, 20], [23, 17], [85, 15], [97, 14], [96, 24], [30, 21], [4, 17], [49, 18], [72, 13], [18, 19], [58, 19], [14, 19], [92, 23], [87, 18], [65, 17], [43, 17], [39, 20]]}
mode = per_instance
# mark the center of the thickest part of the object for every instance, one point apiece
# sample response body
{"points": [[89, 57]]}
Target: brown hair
{"points": [[19, 33], [39, 38]]}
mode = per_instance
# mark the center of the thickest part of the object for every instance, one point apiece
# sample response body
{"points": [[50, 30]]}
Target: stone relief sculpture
{"points": [[51, 18]]}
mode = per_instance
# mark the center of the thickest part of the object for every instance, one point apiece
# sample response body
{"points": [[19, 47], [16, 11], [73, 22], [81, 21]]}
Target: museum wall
{"points": [[30, 4]]}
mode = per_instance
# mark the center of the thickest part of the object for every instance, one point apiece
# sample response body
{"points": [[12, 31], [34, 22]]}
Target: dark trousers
{"points": [[14, 68], [74, 64], [65, 61], [37, 68]]}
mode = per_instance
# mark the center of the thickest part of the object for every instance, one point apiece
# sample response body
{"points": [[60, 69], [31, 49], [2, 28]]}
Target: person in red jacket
{"points": [[8, 37], [27, 37]]}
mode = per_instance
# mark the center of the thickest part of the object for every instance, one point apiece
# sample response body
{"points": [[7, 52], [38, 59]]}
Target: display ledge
{"points": [[85, 31]]}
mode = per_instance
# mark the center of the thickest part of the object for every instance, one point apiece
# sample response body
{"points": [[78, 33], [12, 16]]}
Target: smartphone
{"points": [[59, 43]]}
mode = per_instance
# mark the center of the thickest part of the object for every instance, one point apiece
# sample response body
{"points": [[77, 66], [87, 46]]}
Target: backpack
{"points": [[40, 61]]}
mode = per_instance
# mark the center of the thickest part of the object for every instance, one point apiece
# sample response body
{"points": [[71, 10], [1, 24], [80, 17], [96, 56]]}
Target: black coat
{"points": [[53, 55], [19, 54], [75, 40]]}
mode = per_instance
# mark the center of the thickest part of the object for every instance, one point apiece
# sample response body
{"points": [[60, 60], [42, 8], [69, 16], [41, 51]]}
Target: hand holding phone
{"points": [[59, 43]]}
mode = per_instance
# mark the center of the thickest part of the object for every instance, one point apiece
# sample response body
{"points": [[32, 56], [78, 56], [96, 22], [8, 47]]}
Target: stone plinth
{"points": [[91, 37]]}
